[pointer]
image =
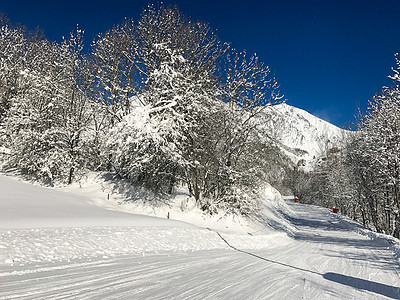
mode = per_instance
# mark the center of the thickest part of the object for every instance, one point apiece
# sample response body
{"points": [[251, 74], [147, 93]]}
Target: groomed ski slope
{"points": [[57, 245]]}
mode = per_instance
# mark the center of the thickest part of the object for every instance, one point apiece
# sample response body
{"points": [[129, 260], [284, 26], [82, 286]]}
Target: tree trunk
{"points": [[71, 174], [195, 186], [374, 216], [396, 232]]}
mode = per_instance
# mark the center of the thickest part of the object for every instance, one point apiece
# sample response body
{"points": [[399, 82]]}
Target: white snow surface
{"points": [[75, 243], [78, 222]]}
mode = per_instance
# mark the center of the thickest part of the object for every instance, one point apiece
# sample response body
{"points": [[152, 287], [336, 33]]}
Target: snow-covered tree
{"points": [[12, 51], [378, 153], [162, 102], [114, 65], [76, 116], [178, 92], [187, 125], [46, 123], [242, 150], [363, 179]]}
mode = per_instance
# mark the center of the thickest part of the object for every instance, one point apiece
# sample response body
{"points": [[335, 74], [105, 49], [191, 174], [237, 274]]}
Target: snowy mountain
{"points": [[302, 136]]}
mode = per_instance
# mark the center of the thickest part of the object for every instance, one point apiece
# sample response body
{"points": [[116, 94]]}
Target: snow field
{"points": [[48, 245], [44, 225], [80, 250]]}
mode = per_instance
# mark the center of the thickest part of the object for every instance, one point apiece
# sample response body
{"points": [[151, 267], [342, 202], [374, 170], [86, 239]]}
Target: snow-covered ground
{"points": [[76, 244]]}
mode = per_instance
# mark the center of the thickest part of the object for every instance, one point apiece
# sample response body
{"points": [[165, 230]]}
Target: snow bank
{"points": [[273, 213], [23, 205], [117, 196], [45, 225], [272, 194], [391, 242]]}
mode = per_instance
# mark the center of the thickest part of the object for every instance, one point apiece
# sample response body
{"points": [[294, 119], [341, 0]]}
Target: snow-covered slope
{"points": [[301, 135], [25, 206], [57, 245], [78, 222]]}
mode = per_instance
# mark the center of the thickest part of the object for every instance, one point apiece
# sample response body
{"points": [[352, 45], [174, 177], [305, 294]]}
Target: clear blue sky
{"points": [[330, 57]]}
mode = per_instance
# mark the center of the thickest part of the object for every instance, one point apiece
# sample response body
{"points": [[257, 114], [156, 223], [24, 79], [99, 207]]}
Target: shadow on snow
{"points": [[362, 284], [358, 283]]}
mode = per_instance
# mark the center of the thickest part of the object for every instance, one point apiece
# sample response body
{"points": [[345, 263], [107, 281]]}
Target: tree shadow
{"points": [[349, 242], [330, 222], [382, 260], [358, 283], [362, 284], [134, 193]]}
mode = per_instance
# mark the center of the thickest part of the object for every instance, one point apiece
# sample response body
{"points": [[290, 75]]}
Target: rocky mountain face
{"points": [[303, 137]]}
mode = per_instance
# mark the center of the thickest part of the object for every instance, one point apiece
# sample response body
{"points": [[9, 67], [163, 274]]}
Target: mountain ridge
{"points": [[303, 137]]}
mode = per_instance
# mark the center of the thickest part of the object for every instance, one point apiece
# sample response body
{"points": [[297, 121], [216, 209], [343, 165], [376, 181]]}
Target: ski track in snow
{"points": [[325, 258]]}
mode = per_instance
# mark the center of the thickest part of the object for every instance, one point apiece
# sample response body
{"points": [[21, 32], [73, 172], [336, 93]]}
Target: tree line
{"points": [[161, 102], [363, 178]]}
